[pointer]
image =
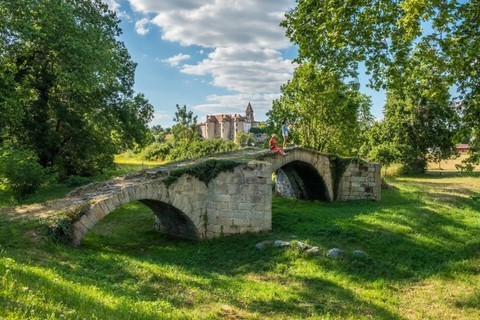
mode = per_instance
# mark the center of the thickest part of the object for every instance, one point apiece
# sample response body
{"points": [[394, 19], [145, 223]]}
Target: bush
{"points": [[20, 172], [156, 152], [58, 228], [193, 150], [200, 148]]}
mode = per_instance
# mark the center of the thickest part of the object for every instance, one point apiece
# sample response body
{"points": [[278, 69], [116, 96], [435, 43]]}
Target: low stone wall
{"points": [[361, 182]]}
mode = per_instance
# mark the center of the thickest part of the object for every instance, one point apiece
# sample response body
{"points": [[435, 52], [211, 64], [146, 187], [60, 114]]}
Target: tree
{"points": [[326, 114], [185, 128], [420, 119], [388, 37], [68, 84], [379, 145], [244, 139], [20, 172]]}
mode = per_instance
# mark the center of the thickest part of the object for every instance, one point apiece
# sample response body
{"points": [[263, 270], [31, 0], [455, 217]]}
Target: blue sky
{"points": [[214, 56]]}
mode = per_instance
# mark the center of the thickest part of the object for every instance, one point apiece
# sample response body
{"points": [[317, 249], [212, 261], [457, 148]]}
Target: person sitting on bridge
{"points": [[273, 144]]}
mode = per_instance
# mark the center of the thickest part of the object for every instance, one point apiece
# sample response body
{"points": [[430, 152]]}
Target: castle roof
{"points": [[249, 108]]}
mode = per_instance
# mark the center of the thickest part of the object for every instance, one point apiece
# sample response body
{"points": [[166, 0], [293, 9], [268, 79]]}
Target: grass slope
{"points": [[422, 241]]}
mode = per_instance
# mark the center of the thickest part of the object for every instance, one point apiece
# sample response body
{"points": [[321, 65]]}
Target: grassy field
{"points": [[423, 262], [449, 165]]}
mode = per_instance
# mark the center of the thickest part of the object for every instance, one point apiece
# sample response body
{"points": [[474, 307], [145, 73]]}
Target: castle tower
{"points": [[249, 113]]}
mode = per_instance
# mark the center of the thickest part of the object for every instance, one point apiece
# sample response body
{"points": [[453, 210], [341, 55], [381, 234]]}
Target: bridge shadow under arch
{"points": [[304, 181], [171, 221], [144, 218]]}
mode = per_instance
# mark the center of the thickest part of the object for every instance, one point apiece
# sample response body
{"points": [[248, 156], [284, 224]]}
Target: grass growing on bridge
{"points": [[422, 241]]}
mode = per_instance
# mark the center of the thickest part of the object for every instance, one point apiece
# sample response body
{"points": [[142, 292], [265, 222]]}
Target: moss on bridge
{"points": [[204, 171]]}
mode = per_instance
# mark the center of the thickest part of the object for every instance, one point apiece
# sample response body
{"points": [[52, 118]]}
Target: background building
{"points": [[227, 126]]}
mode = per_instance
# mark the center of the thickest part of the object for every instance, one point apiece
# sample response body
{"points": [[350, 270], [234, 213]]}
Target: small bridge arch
{"points": [[303, 174], [174, 209]]}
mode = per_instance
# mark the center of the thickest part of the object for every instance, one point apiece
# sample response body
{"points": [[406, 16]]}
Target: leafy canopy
{"points": [[325, 113], [391, 38], [67, 84]]}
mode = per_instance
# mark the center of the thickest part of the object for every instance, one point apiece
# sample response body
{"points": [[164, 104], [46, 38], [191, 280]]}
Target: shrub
{"points": [[58, 228], [156, 151], [180, 151], [20, 171]]}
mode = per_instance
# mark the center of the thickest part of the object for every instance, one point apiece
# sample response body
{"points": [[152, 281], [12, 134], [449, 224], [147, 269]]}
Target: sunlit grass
{"points": [[128, 159], [422, 243]]}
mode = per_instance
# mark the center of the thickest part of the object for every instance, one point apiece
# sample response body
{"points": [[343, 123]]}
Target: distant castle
{"points": [[227, 126]]}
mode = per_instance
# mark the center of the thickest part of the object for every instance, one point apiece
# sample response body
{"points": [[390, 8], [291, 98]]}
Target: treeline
{"points": [[67, 102], [425, 55]]}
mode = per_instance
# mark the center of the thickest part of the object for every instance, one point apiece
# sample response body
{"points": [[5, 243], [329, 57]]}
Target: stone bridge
{"points": [[224, 194]]}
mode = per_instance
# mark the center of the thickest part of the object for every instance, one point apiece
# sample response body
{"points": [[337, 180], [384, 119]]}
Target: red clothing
{"points": [[273, 143]]}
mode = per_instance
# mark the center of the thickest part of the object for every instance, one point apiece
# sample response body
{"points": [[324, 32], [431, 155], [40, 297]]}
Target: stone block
{"points": [[125, 195], [103, 207], [80, 228], [245, 206], [242, 214], [97, 211], [86, 222], [233, 188], [223, 221], [242, 222], [144, 191], [108, 203], [216, 229], [221, 198], [116, 200], [210, 234]]}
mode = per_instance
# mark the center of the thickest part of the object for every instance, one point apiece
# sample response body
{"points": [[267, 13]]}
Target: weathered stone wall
{"points": [[240, 201], [283, 186], [361, 182]]}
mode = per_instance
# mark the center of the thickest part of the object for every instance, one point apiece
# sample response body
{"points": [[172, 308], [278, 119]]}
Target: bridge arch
{"points": [[302, 181], [307, 174], [174, 209]]}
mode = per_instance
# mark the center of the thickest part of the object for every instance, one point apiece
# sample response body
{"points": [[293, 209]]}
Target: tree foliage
{"points": [[244, 139], [187, 142], [67, 84], [325, 113], [185, 128], [20, 172], [420, 120], [391, 38]]}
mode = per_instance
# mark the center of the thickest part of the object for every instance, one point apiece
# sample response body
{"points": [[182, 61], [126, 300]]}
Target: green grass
{"points": [[422, 241]]}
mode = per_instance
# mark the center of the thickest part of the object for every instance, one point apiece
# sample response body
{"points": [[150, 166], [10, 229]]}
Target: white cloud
{"points": [[161, 117], [247, 71], [141, 26], [222, 23], [243, 38], [112, 4], [176, 59], [146, 6], [219, 23]]}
